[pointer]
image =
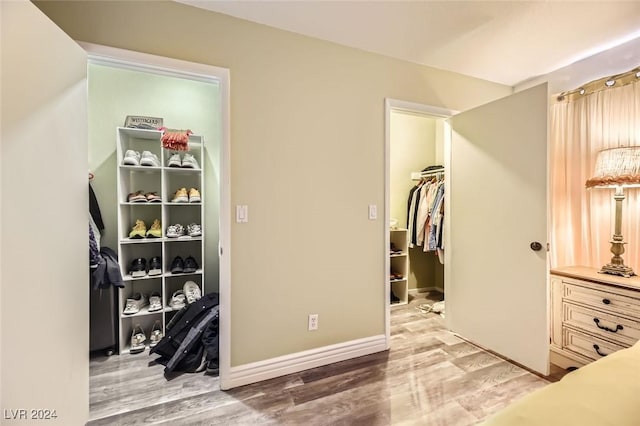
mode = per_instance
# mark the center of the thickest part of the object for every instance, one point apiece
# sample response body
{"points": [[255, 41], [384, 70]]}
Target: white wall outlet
{"points": [[373, 212], [313, 322]]}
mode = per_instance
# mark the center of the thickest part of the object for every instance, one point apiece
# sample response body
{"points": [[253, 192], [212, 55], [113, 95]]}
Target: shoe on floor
{"points": [[131, 158], [155, 302], [156, 334], [149, 159], [181, 196], [137, 197], [155, 266], [194, 196], [138, 268], [194, 230], [190, 266], [175, 231], [156, 230], [177, 265], [137, 340], [213, 367], [133, 304], [189, 162], [153, 197], [139, 230], [174, 161], [191, 291], [178, 300]]}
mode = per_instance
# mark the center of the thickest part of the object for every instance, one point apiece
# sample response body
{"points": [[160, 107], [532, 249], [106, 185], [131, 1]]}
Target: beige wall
{"points": [[307, 156], [412, 149], [115, 93], [45, 269]]}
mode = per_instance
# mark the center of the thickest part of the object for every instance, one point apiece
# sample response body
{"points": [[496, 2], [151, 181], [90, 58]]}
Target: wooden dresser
{"points": [[592, 315]]}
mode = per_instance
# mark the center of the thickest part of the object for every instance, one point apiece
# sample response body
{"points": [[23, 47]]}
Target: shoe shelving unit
{"points": [[165, 181], [399, 262]]}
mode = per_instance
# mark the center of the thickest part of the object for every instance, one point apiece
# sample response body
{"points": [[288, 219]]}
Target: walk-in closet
{"points": [[416, 207], [155, 148]]}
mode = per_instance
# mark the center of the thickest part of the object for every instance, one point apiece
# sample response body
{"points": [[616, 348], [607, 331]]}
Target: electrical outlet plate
{"points": [[313, 322]]}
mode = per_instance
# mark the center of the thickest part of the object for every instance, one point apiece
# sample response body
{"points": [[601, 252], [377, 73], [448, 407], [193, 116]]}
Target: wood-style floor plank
{"points": [[428, 377]]}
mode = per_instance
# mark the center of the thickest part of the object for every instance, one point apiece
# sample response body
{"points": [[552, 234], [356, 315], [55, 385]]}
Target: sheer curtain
{"points": [[582, 220]]}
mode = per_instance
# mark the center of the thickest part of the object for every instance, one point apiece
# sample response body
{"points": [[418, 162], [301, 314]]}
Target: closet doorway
{"points": [[495, 223], [415, 158], [186, 95]]}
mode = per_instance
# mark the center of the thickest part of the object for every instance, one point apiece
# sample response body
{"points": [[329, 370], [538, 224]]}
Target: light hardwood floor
{"points": [[429, 377]]}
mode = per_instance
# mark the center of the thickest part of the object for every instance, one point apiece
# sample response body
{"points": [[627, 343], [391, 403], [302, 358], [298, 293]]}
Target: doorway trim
{"points": [[397, 105], [114, 57]]}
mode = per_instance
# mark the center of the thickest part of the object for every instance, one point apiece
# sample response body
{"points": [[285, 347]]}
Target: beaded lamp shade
{"points": [[616, 167]]}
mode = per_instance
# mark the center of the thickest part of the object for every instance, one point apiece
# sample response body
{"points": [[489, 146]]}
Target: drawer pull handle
{"points": [[597, 348], [605, 328], [606, 301]]}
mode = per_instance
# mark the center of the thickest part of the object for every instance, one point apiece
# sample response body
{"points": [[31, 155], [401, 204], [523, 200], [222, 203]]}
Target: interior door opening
{"points": [[122, 83], [415, 165]]}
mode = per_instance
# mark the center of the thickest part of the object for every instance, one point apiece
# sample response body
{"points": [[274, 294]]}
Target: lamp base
{"points": [[621, 270]]}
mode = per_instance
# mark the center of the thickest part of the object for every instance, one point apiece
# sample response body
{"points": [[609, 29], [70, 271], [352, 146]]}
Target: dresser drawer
{"points": [[603, 300], [622, 331], [586, 345]]}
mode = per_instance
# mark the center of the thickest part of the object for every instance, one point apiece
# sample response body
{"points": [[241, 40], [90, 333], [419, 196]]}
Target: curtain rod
{"points": [[604, 83]]}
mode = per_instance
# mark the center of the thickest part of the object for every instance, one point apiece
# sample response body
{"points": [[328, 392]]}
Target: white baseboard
{"points": [[300, 361]]}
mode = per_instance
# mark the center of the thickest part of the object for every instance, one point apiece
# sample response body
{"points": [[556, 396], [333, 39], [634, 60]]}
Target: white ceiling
{"points": [[503, 41]]}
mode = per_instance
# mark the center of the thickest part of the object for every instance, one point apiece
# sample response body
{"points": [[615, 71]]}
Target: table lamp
{"points": [[617, 168]]}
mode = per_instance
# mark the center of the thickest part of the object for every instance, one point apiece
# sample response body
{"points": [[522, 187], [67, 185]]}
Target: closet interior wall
{"points": [[416, 141]]}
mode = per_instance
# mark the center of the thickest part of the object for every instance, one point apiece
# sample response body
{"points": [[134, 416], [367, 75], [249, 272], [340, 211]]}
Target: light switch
{"points": [[242, 213], [373, 212]]}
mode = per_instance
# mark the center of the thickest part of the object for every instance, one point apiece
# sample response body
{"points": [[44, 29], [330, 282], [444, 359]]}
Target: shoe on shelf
{"points": [[137, 197], [194, 230], [194, 196], [189, 162], [174, 161], [153, 197], [175, 231], [134, 303], [139, 230], [181, 196], [190, 265], [178, 300], [138, 268], [155, 266], [394, 299], [137, 340], [155, 302], [156, 334], [156, 230], [149, 159], [191, 291], [131, 158], [177, 265]]}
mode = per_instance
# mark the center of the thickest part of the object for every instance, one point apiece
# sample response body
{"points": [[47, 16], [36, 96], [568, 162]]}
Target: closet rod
{"points": [[420, 175]]}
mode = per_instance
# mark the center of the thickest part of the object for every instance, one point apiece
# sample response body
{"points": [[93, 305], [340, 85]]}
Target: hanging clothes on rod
{"points": [[425, 213]]}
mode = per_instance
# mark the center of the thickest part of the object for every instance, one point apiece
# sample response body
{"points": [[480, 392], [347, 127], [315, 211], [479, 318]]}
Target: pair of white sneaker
{"points": [[188, 294], [188, 161], [134, 158]]}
